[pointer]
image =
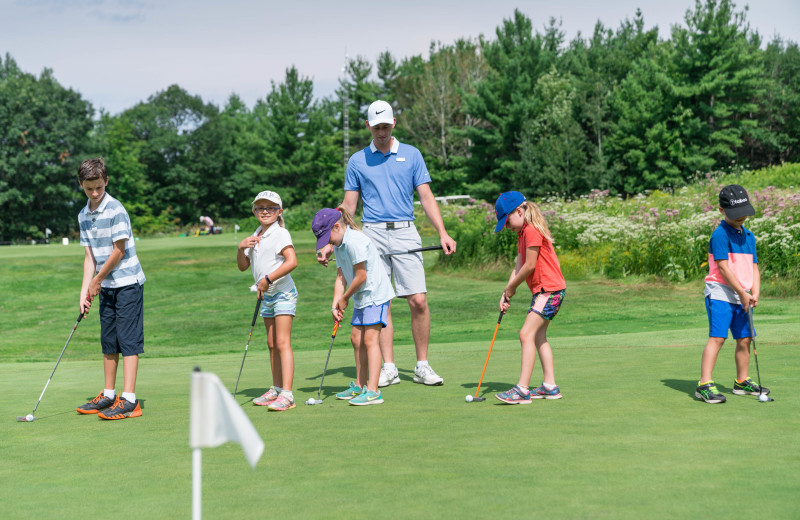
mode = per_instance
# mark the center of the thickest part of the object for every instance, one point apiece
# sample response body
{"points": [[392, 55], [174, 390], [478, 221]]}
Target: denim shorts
{"points": [[372, 315], [724, 315], [280, 303], [546, 304]]}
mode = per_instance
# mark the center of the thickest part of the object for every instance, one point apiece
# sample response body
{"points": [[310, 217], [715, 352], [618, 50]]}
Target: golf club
{"points": [[761, 397], [31, 417], [247, 345], [429, 248], [476, 398], [318, 400]]}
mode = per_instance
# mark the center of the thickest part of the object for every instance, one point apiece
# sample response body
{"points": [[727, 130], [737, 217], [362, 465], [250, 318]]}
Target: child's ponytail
{"points": [[347, 218], [535, 218]]}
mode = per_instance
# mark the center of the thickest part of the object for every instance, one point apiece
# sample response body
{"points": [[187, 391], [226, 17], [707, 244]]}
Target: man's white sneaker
{"points": [[425, 375], [389, 376]]}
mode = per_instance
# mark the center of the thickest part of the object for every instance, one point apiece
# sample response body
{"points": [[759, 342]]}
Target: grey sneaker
{"points": [[267, 397], [425, 375], [388, 377]]}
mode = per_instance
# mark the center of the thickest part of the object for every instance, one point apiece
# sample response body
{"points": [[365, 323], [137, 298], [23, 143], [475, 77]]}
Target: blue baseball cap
{"points": [[323, 223], [506, 203]]}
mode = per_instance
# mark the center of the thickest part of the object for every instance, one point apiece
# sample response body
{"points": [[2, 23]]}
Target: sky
{"points": [[119, 52]]}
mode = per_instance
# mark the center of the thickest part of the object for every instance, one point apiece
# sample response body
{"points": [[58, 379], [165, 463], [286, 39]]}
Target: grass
{"points": [[627, 441]]}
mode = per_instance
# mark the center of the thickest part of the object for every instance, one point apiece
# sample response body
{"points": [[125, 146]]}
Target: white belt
{"points": [[390, 225]]}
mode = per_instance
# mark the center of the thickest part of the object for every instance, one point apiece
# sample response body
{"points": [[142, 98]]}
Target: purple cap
{"points": [[506, 203], [323, 223]]}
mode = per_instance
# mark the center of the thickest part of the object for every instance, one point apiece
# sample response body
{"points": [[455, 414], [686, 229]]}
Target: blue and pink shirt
{"points": [[738, 247]]}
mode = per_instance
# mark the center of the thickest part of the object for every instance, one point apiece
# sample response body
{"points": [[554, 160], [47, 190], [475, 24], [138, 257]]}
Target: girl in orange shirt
{"points": [[537, 265]]}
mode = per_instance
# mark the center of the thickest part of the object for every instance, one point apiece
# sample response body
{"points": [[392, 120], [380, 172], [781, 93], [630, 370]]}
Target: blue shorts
{"points": [[278, 304], [122, 320], [546, 304], [724, 315], [372, 315]]}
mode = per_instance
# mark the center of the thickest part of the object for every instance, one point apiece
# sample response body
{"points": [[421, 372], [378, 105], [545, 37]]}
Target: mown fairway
{"points": [[628, 440]]}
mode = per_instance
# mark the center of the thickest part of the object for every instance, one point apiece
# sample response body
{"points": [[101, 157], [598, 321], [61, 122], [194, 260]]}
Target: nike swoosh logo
{"points": [[381, 112]]}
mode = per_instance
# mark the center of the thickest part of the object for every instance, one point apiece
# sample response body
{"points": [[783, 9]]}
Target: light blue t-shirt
{"points": [[356, 248], [386, 182]]}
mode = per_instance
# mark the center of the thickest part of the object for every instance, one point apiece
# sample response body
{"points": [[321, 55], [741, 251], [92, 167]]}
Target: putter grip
{"points": [[335, 328], [80, 317]]}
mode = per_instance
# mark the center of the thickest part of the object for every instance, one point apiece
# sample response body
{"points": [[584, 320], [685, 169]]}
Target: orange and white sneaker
{"points": [[122, 409], [282, 403]]}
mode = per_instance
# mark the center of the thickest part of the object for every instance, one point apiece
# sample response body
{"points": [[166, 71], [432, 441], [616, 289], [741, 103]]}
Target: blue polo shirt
{"points": [[386, 181], [100, 229], [356, 248]]}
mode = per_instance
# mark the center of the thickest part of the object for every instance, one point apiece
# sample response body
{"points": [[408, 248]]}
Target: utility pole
{"points": [[345, 111]]}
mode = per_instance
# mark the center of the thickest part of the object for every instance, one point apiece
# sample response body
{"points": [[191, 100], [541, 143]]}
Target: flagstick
{"points": [[197, 484]]}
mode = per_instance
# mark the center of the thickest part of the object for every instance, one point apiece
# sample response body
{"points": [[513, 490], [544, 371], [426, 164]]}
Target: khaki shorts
{"points": [[406, 271]]}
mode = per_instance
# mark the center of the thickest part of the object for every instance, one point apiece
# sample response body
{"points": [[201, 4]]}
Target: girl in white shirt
{"points": [[270, 254]]}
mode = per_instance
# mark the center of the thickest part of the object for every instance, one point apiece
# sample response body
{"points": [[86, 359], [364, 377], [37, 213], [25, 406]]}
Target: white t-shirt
{"points": [[356, 248], [266, 256]]}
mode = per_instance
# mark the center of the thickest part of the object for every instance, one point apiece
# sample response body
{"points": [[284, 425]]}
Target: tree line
{"points": [[625, 109]]}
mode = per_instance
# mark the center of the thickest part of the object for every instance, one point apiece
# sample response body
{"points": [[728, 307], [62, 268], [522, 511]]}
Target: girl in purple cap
{"points": [[270, 254], [537, 265], [360, 274]]}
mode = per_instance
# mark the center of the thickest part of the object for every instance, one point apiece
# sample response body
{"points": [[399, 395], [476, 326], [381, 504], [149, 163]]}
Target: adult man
{"points": [[385, 175]]}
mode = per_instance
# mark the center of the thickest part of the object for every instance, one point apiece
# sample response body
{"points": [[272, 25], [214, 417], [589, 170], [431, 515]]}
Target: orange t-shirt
{"points": [[547, 274]]}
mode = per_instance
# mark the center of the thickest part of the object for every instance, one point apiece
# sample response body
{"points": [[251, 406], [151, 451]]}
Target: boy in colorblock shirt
{"points": [[732, 289]]}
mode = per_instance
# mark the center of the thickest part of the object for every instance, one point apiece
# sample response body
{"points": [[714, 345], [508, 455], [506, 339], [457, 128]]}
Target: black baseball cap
{"points": [[735, 202]]}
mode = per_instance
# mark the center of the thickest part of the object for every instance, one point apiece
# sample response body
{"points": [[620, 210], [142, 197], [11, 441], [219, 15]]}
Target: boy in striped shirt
{"points": [[112, 270]]}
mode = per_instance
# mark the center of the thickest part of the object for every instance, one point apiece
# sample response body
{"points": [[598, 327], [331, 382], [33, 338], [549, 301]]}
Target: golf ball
{"points": [[29, 417], [310, 401], [763, 398], [468, 398]]}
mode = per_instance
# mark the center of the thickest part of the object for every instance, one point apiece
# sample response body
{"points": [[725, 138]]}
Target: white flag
{"points": [[217, 418]]}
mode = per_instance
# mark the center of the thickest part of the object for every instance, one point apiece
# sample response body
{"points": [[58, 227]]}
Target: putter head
{"points": [[23, 418], [767, 400], [478, 399]]}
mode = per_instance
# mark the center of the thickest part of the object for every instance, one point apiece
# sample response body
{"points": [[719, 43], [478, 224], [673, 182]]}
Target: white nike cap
{"points": [[380, 112]]}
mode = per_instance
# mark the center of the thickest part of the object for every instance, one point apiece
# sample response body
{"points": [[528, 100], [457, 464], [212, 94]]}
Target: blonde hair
{"points": [[347, 218], [535, 218]]}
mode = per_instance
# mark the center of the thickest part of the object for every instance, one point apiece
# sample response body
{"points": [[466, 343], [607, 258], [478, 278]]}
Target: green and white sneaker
{"points": [[709, 393], [349, 393], [366, 398], [748, 386]]}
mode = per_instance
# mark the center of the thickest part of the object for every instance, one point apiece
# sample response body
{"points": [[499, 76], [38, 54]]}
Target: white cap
{"points": [[270, 196], [380, 112]]}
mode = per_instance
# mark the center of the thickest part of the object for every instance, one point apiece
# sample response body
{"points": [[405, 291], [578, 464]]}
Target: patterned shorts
{"points": [[546, 304], [279, 303]]}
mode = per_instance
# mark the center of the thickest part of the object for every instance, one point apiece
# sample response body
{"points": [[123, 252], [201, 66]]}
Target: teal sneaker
{"points": [[367, 397], [748, 386], [709, 393], [350, 392], [515, 395], [541, 392]]}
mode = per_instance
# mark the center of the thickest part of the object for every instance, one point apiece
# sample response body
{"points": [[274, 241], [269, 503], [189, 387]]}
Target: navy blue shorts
{"points": [[122, 320]]}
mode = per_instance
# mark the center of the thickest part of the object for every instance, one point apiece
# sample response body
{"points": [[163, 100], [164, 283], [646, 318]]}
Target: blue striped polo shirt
{"points": [[102, 227]]}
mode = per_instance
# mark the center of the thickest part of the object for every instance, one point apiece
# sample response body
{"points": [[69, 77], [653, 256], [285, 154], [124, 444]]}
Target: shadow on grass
{"points": [[688, 386]]}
